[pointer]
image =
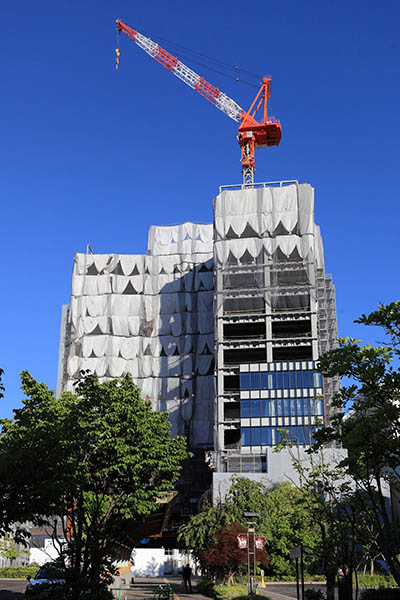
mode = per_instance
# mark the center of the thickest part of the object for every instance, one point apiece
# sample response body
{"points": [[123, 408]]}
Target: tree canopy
{"points": [[366, 422], [86, 462], [284, 521]]}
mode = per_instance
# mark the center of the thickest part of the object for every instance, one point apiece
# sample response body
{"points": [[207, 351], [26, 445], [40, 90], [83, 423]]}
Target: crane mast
{"points": [[252, 134]]}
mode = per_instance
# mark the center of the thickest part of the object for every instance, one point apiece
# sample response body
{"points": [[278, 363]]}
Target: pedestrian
{"points": [[187, 577]]}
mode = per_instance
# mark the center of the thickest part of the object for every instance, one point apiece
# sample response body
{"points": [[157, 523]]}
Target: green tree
{"points": [[9, 549], [367, 424], [284, 521], [94, 459], [224, 558]]}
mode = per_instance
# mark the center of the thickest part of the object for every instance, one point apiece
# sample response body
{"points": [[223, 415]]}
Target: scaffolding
{"points": [[273, 303]]}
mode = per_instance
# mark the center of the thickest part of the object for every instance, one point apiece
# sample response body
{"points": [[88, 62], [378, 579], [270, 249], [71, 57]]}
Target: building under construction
{"points": [[220, 325]]}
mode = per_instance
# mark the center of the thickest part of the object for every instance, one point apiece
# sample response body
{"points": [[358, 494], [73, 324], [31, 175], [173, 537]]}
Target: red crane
{"points": [[252, 134]]}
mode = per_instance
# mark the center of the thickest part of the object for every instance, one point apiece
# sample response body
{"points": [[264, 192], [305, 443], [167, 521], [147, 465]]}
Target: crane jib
{"points": [[252, 134]]}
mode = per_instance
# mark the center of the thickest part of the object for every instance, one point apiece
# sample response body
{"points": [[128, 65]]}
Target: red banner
{"points": [[242, 541], [259, 542]]}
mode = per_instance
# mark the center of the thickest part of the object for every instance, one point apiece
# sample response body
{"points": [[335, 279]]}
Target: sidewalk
{"points": [[143, 588]]}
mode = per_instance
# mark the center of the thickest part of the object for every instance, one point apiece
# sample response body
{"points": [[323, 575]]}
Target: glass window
{"points": [[279, 380], [264, 408], [280, 407], [299, 379], [266, 438], [245, 409], [255, 381], [244, 381], [317, 379], [286, 383], [292, 377], [256, 436], [255, 408], [263, 381], [286, 403], [293, 407], [317, 406], [300, 410], [273, 381], [246, 436], [308, 379]]}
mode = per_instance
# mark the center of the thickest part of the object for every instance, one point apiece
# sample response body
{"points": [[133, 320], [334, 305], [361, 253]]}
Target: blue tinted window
{"points": [[300, 410], [255, 408], [280, 407], [245, 409], [317, 379], [244, 381], [256, 436], [279, 380], [255, 381], [265, 408], [299, 379], [293, 407], [317, 406], [273, 381], [292, 377], [266, 438], [308, 379], [286, 382], [286, 403], [246, 436], [263, 381]]}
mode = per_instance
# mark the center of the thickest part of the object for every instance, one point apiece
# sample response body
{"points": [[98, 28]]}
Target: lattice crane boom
{"points": [[252, 134]]}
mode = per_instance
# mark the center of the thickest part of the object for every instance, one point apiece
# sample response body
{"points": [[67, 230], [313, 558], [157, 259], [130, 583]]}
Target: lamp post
{"points": [[250, 520]]}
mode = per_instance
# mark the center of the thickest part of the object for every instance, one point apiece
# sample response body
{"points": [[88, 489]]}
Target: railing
{"points": [[244, 186]]}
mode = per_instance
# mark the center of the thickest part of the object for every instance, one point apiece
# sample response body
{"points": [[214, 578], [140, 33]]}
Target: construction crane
{"points": [[252, 134]]}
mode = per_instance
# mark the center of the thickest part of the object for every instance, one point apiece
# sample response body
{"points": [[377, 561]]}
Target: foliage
{"points": [[371, 434], [284, 521], [224, 557], [9, 549], [95, 460], [376, 581], [288, 523], [313, 594], [381, 594], [18, 572], [222, 592]]}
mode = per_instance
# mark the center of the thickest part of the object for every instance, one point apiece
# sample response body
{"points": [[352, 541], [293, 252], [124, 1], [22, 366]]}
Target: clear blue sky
{"points": [[91, 155]]}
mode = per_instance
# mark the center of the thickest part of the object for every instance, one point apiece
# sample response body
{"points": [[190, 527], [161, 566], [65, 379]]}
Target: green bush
{"points": [[312, 594], [376, 581], [19, 572], [225, 592], [381, 594]]}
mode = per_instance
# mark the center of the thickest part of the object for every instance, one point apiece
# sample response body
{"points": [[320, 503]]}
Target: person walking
{"points": [[187, 577]]}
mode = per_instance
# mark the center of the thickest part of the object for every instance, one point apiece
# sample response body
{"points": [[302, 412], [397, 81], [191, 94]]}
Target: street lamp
{"points": [[250, 519]]}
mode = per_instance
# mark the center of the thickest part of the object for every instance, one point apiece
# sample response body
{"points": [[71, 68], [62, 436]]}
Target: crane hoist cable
{"points": [[252, 134]]}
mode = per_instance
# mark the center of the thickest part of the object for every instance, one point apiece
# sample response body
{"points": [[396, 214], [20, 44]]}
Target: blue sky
{"points": [[91, 155]]}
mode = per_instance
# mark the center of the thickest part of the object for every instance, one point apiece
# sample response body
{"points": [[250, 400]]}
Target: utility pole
{"points": [[251, 551]]}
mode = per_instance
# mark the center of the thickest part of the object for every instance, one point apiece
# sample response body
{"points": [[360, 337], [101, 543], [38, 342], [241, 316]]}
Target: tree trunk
{"points": [[330, 584]]}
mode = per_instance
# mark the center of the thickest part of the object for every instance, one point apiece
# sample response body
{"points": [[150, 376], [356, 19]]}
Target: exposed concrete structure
{"points": [[274, 314]]}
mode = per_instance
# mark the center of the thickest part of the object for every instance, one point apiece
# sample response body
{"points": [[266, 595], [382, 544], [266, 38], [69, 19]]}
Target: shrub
{"points": [[19, 572], [381, 594], [376, 581], [312, 594]]}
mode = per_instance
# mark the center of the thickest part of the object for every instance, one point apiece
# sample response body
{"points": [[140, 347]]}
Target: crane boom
{"points": [[180, 70], [252, 134]]}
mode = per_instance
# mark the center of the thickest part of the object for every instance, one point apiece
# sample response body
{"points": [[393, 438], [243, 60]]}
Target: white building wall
{"points": [[157, 562]]}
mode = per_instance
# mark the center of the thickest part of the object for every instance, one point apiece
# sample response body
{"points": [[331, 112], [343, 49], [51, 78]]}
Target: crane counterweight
{"points": [[252, 134]]}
